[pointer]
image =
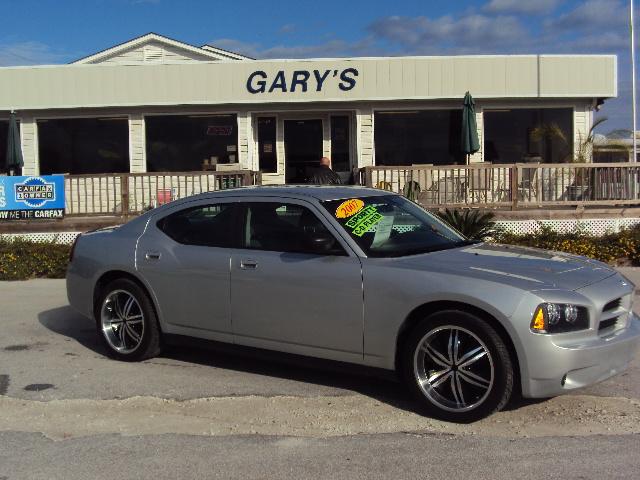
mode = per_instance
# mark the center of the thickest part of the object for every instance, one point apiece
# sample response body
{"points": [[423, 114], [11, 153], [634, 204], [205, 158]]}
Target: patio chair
{"points": [[478, 182], [527, 186]]}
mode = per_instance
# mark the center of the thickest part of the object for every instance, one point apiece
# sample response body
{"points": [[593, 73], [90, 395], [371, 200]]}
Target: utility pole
{"points": [[633, 83]]}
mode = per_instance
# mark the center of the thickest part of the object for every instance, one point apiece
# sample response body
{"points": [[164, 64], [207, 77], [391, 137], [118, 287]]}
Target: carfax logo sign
{"points": [[31, 198]]}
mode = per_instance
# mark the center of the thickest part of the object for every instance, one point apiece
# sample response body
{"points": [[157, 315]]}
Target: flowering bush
{"points": [[23, 259], [614, 248]]}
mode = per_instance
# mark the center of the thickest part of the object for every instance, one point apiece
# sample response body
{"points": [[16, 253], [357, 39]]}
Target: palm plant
{"points": [[473, 224]]}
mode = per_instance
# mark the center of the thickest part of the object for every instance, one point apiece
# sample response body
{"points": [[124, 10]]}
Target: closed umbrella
{"points": [[14, 160], [470, 142]]}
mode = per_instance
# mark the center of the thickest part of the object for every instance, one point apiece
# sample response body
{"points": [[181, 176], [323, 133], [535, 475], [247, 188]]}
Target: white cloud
{"points": [[592, 15], [331, 48], [287, 28], [527, 7], [29, 53], [472, 32]]}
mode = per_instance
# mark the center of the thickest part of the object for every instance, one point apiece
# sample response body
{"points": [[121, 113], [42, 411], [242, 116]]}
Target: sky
{"points": [[50, 32]]}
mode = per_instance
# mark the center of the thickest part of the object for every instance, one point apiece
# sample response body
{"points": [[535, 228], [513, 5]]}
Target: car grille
{"points": [[614, 315], [612, 305]]}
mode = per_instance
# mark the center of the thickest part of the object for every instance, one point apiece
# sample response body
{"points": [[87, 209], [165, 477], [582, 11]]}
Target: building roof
{"points": [[252, 82], [206, 51]]}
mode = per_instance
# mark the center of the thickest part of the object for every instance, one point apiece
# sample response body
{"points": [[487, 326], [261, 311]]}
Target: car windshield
{"points": [[392, 226]]}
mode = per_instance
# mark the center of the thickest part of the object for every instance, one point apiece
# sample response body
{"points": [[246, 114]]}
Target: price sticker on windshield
{"points": [[349, 207]]}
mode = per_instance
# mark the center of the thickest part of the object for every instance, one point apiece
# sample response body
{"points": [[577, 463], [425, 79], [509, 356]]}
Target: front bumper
{"points": [[559, 367]]}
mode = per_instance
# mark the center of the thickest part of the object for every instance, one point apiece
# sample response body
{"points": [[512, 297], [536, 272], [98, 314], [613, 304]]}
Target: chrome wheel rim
{"points": [[122, 321], [453, 368]]}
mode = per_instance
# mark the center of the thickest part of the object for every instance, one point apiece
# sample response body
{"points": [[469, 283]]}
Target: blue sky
{"points": [[36, 32]]}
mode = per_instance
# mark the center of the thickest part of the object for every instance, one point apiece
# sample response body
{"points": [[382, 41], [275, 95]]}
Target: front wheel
{"points": [[458, 366], [126, 321]]}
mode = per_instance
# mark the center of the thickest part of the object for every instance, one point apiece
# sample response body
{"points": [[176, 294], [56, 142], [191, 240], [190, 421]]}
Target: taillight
{"points": [[73, 247]]}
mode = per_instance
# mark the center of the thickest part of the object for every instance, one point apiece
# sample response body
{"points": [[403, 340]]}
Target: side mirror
{"points": [[320, 242]]}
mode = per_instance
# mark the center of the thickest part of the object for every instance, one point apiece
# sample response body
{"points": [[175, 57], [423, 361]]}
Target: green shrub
{"points": [[614, 248], [473, 224], [23, 259]]}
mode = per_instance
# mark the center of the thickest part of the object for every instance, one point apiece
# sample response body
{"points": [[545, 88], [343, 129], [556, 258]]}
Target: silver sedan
{"points": [[362, 276]]}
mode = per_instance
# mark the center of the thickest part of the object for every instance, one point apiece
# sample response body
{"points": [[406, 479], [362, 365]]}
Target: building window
{"points": [[418, 137], [267, 145], [178, 143], [4, 131], [83, 145], [340, 145], [529, 135]]}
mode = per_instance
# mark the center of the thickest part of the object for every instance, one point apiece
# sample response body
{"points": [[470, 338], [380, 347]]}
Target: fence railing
{"points": [[521, 185], [123, 194]]}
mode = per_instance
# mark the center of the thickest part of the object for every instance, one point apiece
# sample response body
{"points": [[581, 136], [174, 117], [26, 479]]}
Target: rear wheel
{"points": [[458, 366], [126, 321]]}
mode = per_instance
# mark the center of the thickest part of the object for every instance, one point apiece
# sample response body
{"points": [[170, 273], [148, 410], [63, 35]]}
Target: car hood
{"points": [[529, 268]]}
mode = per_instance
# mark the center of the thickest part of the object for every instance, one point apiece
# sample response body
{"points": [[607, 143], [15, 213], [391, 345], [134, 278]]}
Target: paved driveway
{"points": [[68, 412]]}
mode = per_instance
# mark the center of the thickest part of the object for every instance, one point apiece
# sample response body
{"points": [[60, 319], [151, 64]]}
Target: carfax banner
{"points": [[27, 198]]}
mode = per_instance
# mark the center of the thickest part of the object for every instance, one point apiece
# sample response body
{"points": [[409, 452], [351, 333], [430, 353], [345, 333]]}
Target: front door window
{"points": [[302, 148]]}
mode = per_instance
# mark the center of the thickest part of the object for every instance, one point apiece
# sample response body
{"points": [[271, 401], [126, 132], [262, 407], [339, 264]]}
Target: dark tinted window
{"points": [[340, 143], [208, 225], [267, 144], [4, 130], [415, 137], [282, 227], [84, 145], [178, 143], [528, 135]]}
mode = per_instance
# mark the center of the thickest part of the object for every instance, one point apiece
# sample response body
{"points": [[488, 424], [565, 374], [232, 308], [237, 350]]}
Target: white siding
{"points": [[29, 135], [364, 123], [581, 125], [225, 83], [169, 54], [243, 140], [137, 144]]}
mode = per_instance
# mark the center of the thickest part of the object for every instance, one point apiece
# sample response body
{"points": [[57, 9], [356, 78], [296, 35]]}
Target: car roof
{"points": [[318, 192], [300, 192]]}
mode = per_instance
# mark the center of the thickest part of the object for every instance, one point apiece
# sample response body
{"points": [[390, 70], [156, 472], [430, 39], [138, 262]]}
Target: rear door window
{"points": [[204, 225]]}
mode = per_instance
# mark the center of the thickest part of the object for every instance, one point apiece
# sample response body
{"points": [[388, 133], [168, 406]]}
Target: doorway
{"points": [[302, 148]]}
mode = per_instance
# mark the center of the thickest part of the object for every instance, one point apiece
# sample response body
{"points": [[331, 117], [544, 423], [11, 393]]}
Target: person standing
{"points": [[323, 175]]}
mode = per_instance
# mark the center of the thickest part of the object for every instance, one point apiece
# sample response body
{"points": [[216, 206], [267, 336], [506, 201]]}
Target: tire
{"points": [[138, 337], [453, 385]]}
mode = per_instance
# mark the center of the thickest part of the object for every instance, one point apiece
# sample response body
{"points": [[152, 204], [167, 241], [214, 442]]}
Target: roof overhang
{"points": [[313, 80]]}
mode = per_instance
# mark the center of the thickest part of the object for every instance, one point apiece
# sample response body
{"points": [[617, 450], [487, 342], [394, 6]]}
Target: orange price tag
{"points": [[349, 207]]}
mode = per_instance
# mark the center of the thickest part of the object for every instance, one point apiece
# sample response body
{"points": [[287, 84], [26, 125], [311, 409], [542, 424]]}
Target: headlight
{"points": [[559, 317]]}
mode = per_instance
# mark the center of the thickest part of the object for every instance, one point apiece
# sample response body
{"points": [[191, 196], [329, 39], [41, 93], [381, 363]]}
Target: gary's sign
{"points": [[27, 198], [301, 80]]}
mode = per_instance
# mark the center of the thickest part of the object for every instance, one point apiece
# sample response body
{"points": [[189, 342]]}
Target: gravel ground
{"points": [[66, 411]]}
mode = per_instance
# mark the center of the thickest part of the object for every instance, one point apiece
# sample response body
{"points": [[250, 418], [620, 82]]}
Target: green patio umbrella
{"points": [[470, 142], [14, 161]]}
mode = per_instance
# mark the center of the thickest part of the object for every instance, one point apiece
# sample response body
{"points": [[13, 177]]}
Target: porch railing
{"points": [[521, 185], [124, 194]]}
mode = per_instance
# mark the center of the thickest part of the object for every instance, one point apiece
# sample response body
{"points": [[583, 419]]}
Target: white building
{"points": [[156, 104]]}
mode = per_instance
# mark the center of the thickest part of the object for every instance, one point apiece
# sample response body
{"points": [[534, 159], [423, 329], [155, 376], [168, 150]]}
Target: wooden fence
{"points": [[521, 185], [124, 194]]}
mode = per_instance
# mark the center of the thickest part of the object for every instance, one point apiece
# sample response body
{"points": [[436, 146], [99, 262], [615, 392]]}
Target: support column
{"points": [[244, 130], [137, 144], [29, 143], [364, 124]]}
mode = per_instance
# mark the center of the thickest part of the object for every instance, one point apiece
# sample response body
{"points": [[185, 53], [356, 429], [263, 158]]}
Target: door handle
{"points": [[152, 255], [248, 264]]}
